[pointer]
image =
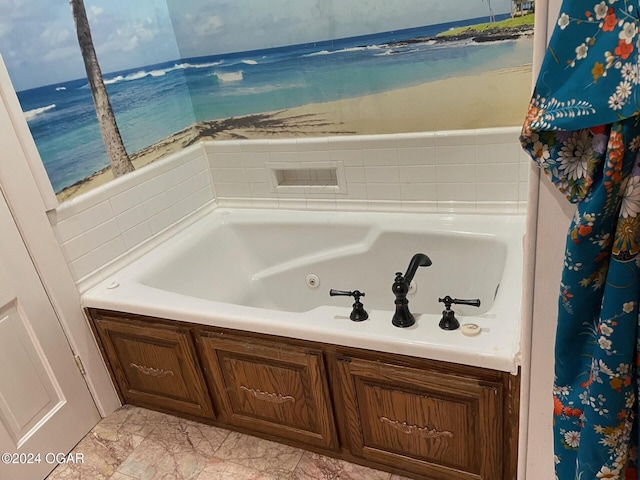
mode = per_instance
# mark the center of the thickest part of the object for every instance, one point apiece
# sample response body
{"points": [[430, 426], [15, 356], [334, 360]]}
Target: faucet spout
{"points": [[403, 317], [418, 260]]}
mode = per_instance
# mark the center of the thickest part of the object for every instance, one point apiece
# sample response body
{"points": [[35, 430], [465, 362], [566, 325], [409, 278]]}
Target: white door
{"points": [[45, 406]]}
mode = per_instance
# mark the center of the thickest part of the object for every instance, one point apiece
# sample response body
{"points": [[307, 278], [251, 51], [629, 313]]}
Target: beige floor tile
{"points": [[313, 466], [268, 457], [138, 444], [223, 470], [120, 476], [129, 420], [176, 449], [104, 449]]}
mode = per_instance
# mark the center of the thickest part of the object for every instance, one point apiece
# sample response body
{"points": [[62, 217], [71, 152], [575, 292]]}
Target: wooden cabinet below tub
{"points": [[272, 388], [154, 365], [445, 426], [415, 417]]}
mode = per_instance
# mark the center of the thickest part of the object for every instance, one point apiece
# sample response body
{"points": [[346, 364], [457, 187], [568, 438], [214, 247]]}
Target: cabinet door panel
{"points": [[442, 426], [155, 366], [279, 390]]}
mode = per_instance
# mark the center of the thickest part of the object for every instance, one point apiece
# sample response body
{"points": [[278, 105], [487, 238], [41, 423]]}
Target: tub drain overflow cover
{"points": [[312, 280]]}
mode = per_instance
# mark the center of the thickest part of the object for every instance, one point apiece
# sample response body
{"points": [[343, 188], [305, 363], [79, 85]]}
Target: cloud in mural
{"points": [[285, 22], [208, 26], [40, 47], [38, 36], [56, 36], [95, 12], [4, 29]]}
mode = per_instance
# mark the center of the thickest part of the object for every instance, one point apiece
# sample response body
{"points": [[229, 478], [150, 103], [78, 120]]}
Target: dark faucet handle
{"points": [[346, 293], [358, 314], [448, 301]]}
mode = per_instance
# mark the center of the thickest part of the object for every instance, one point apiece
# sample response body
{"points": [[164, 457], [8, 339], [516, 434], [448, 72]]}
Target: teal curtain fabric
{"points": [[583, 130]]}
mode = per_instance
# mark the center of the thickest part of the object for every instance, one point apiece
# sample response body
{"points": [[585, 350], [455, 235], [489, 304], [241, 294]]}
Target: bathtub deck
{"points": [[497, 347]]}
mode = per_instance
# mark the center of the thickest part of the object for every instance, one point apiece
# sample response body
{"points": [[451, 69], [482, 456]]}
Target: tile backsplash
{"points": [[108, 227], [482, 171], [471, 171]]}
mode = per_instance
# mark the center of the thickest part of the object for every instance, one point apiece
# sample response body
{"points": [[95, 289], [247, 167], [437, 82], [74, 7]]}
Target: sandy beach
{"points": [[493, 99]]}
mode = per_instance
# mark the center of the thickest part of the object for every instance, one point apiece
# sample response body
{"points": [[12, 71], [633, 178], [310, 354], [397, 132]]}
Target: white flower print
{"points": [[572, 439], [606, 472], [623, 368], [561, 390], [629, 399], [605, 369], [624, 90], [575, 154], [563, 21], [606, 329], [635, 144], [631, 199], [616, 102], [581, 51], [600, 408], [604, 343], [629, 73], [604, 240], [628, 307], [586, 399], [541, 150], [628, 32], [600, 10]]}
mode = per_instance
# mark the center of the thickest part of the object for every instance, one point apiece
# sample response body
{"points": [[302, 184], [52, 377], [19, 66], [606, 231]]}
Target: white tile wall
{"points": [[110, 224], [483, 171], [454, 171]]}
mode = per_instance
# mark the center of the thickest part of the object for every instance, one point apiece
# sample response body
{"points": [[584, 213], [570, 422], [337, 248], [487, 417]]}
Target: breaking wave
{"points": [[160, 72], [31, 114], [344, 50]]}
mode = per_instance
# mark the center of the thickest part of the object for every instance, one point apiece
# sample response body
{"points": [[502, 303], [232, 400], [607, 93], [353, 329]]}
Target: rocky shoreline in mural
{"points": [[489, 35]]}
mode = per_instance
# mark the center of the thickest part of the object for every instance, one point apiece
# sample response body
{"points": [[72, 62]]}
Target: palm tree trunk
{"points": [[118, 157]]}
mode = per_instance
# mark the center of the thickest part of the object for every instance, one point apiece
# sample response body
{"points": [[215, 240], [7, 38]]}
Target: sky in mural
{"points": [[38, 44]]}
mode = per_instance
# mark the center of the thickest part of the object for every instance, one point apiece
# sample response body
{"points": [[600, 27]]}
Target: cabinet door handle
{"points": [[152, 372], [268, 397], [424, 432]]}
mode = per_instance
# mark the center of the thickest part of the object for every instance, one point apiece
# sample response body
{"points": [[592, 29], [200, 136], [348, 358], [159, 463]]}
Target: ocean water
{"points": [[152, 102]]}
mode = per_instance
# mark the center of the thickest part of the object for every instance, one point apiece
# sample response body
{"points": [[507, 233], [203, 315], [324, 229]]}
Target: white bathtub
{"points": [[247, 270]]}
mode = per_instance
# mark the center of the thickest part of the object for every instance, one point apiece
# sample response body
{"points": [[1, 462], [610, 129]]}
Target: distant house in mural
{"points": [[357, 68], [522, 7]]}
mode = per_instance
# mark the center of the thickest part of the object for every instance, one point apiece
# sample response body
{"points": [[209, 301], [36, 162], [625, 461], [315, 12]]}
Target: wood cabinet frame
{"points": [[347, 389]]}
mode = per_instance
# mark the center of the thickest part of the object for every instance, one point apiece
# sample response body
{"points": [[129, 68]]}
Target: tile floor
{"points": [[138, 444]]}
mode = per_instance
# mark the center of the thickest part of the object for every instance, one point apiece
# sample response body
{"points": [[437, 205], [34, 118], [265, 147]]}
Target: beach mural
{"points": [[180, 71]]}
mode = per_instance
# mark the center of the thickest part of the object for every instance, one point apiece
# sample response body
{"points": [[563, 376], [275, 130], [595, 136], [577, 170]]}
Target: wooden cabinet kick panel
{"points": [[270, 387], [154, 365], [419, 418]]}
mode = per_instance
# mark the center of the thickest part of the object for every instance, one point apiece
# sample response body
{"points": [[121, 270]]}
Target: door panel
{"points": [[34, 393], [45, 406]]}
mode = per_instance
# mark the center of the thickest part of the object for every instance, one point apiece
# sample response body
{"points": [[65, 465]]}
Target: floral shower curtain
{"points": [[583, 129]]}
